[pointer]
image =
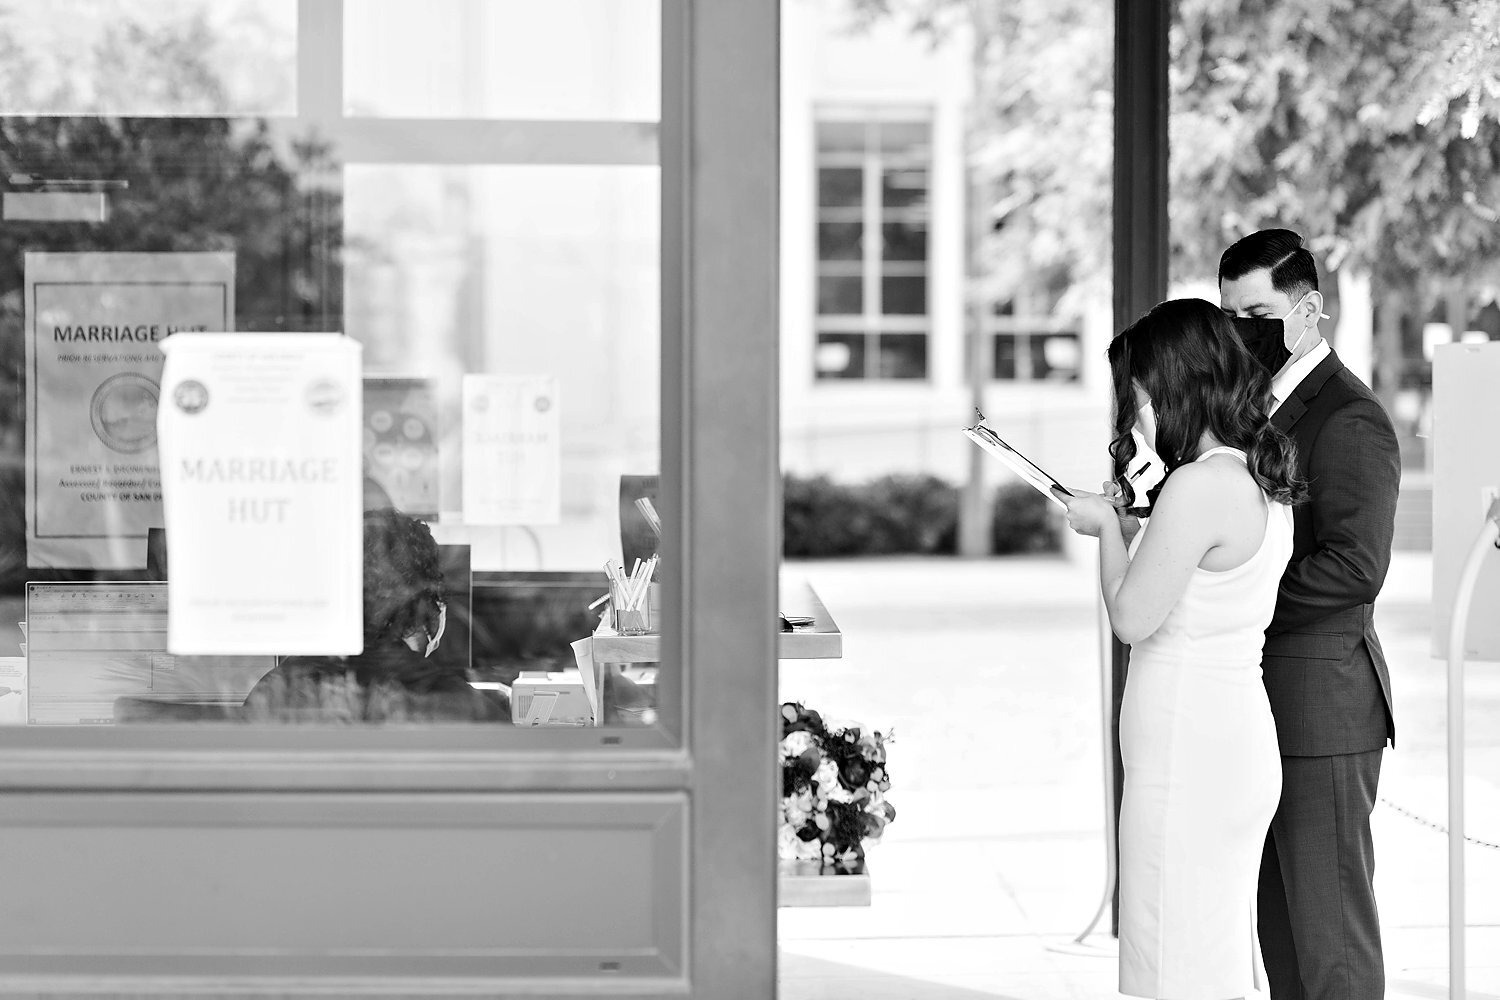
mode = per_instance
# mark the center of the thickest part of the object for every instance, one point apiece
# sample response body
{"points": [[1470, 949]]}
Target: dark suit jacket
{"points": [[1325, 672]]}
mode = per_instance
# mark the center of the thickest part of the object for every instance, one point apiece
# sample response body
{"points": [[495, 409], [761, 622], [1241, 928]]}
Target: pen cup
{"points": [[632, 612]]}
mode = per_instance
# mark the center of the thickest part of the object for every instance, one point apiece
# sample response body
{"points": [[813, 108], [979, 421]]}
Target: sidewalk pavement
{"points": [[989, 674]]}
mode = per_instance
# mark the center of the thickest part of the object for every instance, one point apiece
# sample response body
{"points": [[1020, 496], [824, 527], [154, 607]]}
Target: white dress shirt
{"points": [[1286, 382]]}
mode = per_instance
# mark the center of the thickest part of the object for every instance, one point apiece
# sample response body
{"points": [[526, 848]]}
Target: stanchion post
{"points": [[1457, 637]]}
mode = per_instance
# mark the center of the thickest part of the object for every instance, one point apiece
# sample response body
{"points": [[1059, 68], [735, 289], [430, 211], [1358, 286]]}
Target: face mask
{"points": [[420, 642], [432, 644], [1266, 340]]}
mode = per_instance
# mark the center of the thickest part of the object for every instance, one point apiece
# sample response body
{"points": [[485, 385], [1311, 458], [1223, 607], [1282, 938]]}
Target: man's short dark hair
{"points": [[1279, 251]]}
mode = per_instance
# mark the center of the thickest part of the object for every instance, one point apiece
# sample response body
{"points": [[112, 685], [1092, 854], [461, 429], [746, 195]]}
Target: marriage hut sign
{"points": [[93, 372], [260, 458]]}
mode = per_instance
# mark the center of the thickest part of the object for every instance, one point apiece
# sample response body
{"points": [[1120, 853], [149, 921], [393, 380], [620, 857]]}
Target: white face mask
{"points": [[1145, 424], [415, 641], [432, 643]]}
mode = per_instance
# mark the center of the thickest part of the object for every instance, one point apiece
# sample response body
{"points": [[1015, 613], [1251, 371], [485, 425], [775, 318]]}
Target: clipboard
{"points": [[1033, 474]]}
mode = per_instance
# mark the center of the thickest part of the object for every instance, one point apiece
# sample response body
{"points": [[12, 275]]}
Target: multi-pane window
{"points": [[1032, 346], [872, 236]]}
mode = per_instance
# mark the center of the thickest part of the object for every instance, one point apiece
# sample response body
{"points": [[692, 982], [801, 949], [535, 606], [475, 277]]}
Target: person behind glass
{"points": [[1192, 592], [404, 620], [1325, 672]]}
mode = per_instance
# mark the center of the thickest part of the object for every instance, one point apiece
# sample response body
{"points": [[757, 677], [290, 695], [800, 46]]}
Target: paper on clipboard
{"points": [[1018, 463]]}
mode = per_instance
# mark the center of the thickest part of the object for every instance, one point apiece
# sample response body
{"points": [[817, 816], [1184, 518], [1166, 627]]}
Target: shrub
{"points": [[819, 518], [911, 513], [903, 514], [1023, 521]]}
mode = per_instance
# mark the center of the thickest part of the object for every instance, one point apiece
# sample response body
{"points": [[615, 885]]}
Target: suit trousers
{"points": [[1319, 929]]}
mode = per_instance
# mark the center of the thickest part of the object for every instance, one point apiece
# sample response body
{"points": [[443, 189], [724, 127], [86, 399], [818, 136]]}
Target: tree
{"points": [[194, 183], [1357, 122], [1465, 69]]}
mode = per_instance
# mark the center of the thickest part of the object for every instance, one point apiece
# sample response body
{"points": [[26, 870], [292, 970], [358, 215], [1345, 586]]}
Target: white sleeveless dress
{"points": [[1202, 780]]}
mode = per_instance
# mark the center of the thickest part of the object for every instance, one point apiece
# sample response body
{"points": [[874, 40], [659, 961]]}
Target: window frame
{"points": [[873, 162], [472, 756]]}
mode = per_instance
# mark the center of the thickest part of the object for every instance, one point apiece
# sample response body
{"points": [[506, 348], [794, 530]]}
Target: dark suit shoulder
{"points": [[1345, 389], [1349, 386]]}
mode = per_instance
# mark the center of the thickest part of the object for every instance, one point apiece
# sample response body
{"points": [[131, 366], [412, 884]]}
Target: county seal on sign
{"points": [[191, 396], [123, 412]]}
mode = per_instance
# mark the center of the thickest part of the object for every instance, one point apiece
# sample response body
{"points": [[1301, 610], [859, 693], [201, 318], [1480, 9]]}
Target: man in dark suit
{"points": [[1324, 669]]}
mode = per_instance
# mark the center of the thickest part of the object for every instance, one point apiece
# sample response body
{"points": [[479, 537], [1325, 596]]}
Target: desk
{"points": [[822, 640]]}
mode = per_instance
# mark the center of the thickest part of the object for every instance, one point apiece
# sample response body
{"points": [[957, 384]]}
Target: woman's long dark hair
{"points": [[1200, 377]]}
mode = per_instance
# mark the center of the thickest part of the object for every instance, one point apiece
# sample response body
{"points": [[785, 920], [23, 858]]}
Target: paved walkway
{"points": [[989, 674]]}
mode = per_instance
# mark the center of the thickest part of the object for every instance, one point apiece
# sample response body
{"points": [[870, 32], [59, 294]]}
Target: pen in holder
{"points": [[630, 618], [630, 597]]}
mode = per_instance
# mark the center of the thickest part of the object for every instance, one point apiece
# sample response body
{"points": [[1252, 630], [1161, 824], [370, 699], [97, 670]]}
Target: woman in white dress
{"points": [[1192, 593]]}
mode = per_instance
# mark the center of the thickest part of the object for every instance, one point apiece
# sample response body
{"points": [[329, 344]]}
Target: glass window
{"points": [[149, 57], [872, 237], [506, 439], [1037, 356], [903, 294], [840, 240], [841, 187], [904, 241], [840, 355], [840, 294], [503, 59], [902, 355]]}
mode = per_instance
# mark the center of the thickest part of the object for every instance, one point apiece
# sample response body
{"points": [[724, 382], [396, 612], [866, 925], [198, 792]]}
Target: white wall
{"points": [[854, 430]]}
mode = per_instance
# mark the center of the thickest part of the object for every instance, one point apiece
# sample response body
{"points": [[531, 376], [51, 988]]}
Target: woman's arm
{"points": [[1185, 523]]}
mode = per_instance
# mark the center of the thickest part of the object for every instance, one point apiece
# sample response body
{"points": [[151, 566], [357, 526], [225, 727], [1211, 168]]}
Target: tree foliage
{"points": [[192, 184], [1360, 123]]}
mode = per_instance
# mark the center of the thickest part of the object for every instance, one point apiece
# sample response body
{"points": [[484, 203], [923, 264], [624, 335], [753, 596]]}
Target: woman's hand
{"points": [[1088, 513], [1129, 523]]}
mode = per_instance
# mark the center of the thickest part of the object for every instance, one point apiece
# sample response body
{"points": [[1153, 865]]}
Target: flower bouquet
{"points": [[833, 785]]}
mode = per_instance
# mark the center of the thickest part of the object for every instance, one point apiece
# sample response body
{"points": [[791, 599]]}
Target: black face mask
{"points": [[1266, 339]]}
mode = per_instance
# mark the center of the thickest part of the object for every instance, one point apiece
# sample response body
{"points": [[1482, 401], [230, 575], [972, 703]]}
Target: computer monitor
{"points": [[89, 644]]}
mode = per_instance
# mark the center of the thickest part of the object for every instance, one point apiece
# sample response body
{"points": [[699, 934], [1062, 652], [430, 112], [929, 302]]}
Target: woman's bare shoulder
{"points": [[1207, 492]]}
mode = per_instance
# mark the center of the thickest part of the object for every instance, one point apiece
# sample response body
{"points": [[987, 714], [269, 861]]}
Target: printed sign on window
{"points": [[512, 450], [94, 324], [260, 450]]}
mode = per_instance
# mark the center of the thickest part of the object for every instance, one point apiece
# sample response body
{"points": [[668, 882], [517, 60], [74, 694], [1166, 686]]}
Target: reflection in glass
{"points": [[185, 184], [503, 59], [148, 57], [903, 295], [1005, 355], [841, 187], [904, 241], [905, 139], [549, 271], [840, 240], [842, 137], [1056, 357], [904, 188], [840, 355], [902, 355], [840, 294]]}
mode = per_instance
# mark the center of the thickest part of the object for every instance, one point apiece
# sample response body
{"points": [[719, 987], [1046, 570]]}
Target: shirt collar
{"points": [[1284, 384]]}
